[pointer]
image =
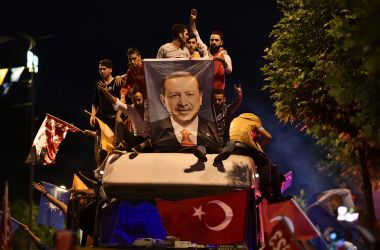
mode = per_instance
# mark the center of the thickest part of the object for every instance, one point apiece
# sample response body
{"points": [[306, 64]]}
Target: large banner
{"points": [[180, 106]]}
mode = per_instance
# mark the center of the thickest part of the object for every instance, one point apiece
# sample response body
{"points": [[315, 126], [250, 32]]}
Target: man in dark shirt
{"points": [[225, 111]]}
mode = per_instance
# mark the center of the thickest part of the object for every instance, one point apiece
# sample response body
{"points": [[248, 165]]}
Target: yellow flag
{"points": [[3, 73], [78, 183], [107, 137]]}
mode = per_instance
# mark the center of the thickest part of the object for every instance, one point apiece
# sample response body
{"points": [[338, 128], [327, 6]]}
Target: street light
{"points": [[32, 62]]}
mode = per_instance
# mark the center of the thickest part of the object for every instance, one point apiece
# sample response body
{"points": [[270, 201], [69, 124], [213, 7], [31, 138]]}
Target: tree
{"points": [[321, 75], [20, 212]]}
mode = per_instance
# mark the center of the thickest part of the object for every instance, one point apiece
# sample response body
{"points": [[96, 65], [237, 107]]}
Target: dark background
{"points": [[73, 36]]}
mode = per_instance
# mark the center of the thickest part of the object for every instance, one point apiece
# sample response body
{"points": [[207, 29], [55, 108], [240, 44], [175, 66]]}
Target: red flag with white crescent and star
{"points": [[304, 229], [50, 135], [216, 219]]}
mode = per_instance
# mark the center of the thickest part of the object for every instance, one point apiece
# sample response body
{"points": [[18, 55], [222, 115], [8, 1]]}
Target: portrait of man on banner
{"points": [[180, 105]]}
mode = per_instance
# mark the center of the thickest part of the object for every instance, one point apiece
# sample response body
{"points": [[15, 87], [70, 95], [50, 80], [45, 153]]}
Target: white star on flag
{"points": [[198, 212]]}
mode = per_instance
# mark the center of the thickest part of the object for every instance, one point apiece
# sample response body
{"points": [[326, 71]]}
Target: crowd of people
{"points": [[121, 103]]}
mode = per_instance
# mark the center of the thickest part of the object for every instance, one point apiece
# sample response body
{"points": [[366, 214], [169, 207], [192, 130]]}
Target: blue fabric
{"points": [[49, 214], [124, 222], [322, 220]]}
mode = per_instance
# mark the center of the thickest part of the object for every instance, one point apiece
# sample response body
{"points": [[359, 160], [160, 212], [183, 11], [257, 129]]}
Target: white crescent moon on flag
{"points": [[228, 215], [288, 222]]}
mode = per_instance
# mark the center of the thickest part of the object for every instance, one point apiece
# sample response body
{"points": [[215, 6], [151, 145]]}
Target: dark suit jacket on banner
{"points": [[165, 140]]}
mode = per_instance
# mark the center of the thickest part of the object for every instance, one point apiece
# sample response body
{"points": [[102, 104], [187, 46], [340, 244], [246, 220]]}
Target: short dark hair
{"points": [[192, 35], [218, 32], [178, 28], [218, 91], [106, 63], [133, 50], [135, 89], [178, 74]]}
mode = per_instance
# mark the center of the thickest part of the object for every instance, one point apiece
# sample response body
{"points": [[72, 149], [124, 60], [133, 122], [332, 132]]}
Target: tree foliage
{"points": [[20, 211], [323, 74]]}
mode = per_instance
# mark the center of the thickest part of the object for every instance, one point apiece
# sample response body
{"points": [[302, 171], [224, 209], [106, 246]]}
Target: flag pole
{"points": [[1, 212], [87, 112]]}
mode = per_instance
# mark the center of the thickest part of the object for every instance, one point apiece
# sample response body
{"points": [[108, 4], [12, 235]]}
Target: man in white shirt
{"points": [[177, 48]]}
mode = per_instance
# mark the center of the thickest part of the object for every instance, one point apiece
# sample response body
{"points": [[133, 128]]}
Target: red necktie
{"points": [[186, 139]]}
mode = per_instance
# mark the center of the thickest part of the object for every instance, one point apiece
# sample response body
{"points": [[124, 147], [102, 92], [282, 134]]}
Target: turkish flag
{"points": [[217, 219], [304, 229]]}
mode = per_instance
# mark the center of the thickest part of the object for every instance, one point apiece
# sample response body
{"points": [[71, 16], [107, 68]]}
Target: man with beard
{"points": [[223, 63], [224, 111], [177, 48], [137, 114]]}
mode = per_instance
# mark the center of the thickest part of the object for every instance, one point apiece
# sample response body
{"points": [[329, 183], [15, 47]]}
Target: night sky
{"points": [[73, 36]]}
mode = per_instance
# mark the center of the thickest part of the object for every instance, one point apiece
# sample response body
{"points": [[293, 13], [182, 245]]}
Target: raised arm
{"points": [[108, 95], [61, 205], [37, 241], [237, 101], [265, 136], [202, 48]]}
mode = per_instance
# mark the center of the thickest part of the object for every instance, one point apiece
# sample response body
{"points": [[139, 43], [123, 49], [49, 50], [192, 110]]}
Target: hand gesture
{"points": [[39, 187], [238, 90], [101, 84], [193, 15], [24, 227], [119, 81], [92, 120]]}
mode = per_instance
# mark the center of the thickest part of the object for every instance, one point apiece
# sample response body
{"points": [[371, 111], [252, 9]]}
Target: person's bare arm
{"points": [[202, 48], [82, 191], [265, 136], [119, 80], [37, 241], [238, 99], [108, 95], [61, 205]]}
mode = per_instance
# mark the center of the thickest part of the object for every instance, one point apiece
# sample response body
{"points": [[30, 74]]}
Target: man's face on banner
{"points": [[182, 98]]}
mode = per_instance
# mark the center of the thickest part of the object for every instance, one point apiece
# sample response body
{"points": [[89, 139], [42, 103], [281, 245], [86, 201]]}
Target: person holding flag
{"points": [[82, 218]]}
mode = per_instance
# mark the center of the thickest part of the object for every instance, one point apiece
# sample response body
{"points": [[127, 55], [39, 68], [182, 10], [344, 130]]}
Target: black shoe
{"points": [[219, 166], [134, 154], [199, 166], [200, 153], [222, 156]]}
